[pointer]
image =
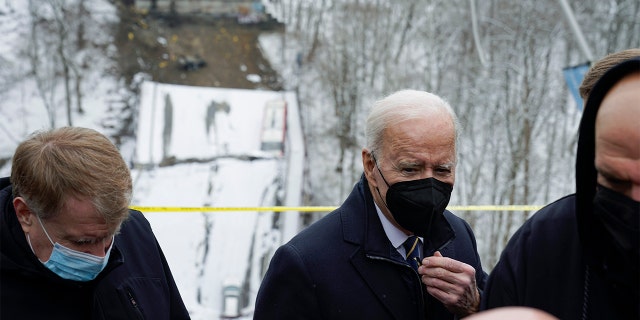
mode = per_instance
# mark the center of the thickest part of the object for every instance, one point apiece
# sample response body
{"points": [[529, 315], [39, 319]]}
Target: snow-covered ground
{"points": [[195, 147], [218, 164]]}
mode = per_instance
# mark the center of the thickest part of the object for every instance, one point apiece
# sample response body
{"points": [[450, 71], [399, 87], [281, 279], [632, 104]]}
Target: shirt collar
{"points": [[395, 235]]}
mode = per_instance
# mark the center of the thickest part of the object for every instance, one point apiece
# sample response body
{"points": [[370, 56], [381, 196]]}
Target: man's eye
{"points": [[443, 171], [408, 170]]}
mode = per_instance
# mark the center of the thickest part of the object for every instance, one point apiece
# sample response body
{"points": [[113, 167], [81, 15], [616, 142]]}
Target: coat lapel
{"points": [[375, 259]]}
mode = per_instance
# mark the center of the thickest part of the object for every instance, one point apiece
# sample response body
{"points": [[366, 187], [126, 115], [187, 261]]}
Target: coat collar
{"points": [[396, 285], [361, 225]]}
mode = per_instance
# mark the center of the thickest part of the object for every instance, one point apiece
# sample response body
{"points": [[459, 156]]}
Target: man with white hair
{"points": [[392, 250]]}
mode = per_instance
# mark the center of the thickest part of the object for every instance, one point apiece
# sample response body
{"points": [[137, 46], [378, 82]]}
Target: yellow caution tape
{"points": [[324, 209], [496, 208]]}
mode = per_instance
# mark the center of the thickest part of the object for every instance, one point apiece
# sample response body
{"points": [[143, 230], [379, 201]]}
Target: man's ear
{"points": [[23, 213], [369, 165]]}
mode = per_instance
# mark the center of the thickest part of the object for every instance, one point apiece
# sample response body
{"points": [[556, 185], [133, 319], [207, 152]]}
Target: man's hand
{"points": [[452, 282]]}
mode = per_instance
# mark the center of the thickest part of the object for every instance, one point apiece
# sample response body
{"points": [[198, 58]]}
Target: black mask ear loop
{"points": [[385, 181]]}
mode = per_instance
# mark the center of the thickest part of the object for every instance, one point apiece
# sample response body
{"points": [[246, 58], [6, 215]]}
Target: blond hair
{"points": [[51, 166]]}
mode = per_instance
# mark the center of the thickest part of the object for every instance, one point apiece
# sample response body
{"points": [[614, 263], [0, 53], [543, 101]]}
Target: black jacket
{"points": [[344, 267], [135, 284], [561, 260]]}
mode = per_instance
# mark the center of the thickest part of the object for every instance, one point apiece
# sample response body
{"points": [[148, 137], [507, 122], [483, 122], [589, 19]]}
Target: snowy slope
{"points": [[206, 249]]}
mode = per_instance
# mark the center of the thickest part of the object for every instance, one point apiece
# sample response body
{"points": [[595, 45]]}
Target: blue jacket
{"points": [[135, 284], [344, 267]]}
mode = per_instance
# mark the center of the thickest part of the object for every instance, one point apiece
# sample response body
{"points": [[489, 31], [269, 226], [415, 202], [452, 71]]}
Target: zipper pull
{"points": [[132, 299]]}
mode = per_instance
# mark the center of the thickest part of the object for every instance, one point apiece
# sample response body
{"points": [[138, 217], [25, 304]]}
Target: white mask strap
{"points": [[43, 229]]}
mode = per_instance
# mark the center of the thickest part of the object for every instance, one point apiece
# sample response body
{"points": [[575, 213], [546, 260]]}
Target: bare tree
{"points": [[61, 31], [60, 55], [518, 126], [43, 74]]}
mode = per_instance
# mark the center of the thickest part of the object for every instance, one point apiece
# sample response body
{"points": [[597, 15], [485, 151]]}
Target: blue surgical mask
{"points": [[74, 265]]}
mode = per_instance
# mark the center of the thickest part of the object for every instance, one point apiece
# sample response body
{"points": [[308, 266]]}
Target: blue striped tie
{"points": [[413, 251]]}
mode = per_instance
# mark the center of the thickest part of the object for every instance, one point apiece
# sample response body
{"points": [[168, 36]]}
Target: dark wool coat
{"points": [[135, 284], [561, 260], [344, 267]]}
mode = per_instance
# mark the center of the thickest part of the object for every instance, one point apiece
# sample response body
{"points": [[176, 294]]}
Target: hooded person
{"points": [[578, 258]]}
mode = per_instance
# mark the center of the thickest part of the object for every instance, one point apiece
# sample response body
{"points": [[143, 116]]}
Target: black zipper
{"points": [[403, 265], [134, 304]]}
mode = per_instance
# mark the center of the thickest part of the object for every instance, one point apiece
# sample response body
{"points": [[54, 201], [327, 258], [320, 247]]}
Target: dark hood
{"points": [[4, 182], [15, 253], [591, 232]]}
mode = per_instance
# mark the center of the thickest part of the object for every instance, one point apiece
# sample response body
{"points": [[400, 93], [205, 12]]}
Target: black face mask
{"points": [[415, 204], [620, 216]]}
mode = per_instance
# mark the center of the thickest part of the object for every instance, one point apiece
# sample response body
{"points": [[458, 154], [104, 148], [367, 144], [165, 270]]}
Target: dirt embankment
{"points": [[194, 50]]}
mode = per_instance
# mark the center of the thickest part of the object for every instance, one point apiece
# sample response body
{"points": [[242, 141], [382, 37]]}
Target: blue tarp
{"points": [[573, 76]]}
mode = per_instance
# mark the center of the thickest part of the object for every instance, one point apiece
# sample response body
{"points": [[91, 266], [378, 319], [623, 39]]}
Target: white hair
{"points": [[400, 106]]}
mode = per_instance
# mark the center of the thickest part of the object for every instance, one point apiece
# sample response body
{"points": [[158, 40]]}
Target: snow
{"points": [[234, 132], [215, 164], [219, 163], [254, 78], [207, 249], [222, 168], [204, 249], [22, 110]]}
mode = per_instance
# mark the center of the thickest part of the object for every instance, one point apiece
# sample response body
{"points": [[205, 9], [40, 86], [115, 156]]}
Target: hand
{"points": [[452, 282]]}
